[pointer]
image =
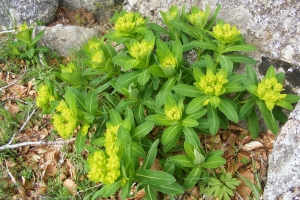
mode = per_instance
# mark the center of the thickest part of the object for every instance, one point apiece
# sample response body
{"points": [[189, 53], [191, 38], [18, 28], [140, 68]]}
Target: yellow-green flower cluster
{"points": [[168, 60], [196, 18], [225, 33], [173, 13], [105, 168], [85, 129], [139, 50], [66, 122], [128, 22], [269, 90], [173, 113], [97, 58], [212, 84], [44, 96]]}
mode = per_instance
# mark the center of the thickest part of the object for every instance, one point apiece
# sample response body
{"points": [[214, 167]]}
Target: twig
{"points": [[14, 82], [10, 175], [13, 146], [8, 31], [24, 124], [81, 191]]}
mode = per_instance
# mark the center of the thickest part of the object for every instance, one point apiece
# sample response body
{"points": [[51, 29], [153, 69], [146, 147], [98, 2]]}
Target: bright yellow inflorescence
{"points": [[212, 84], [168, 61], [128, 21], [269, 91], [225, 32], [105, 168], [173, 113], [139, 50], [44, 96], [196, 18], [97, 57], [66, 122]]}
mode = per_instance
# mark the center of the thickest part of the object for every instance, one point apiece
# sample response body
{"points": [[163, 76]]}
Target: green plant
{"points": [[134, 98], [24, 44], [222, 187]]}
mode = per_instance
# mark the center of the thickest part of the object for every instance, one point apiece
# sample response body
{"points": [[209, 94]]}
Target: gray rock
{"points": [[15, 12], [283, 181], [63, 39], [102, 9]]}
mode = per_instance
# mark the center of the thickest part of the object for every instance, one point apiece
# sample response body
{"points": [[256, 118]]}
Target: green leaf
{"points": [[30, 53], [98, 193], [115, 117], [139, 113], [121, 59], [284, 104], [126, 189], [241, 47], [213, 119], [213, 162], [279, 115], [170, 133], [233, 87], [191, 136], [292, 98], [165, 89], [156, 70], [181, 161], [137, 150], [154, 178], [130, 64], [246, 109], [253, 124], [239, 58], [150, 156], [237, 78], [91, 102], [125, 80], [226, 108], [214, 101], [173, 142], [142, 130], [197, 114], [169, 168], [125, 103], [251, 74], [192, 178], [202, 44], [188, 90], [280, 77], [80, 99], [80, 141], [150, 193], [210, 64], [188, 29], [158, 119], [189, 122], [111, 189], [226, 63], [70, 100], [177, 51], [268, 117], [144, 77], [99, 141], [270, 73], [172, 189], [102, 87], [189, 149], [124, 135]]}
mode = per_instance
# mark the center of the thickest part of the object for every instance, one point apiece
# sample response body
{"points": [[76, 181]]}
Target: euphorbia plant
{"points": [[144, 101]]}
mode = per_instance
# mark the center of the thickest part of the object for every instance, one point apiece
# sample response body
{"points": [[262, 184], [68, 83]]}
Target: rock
{"points": [[15, 12], [272, 26], [102, 9], [63, 39], [283, 181]]}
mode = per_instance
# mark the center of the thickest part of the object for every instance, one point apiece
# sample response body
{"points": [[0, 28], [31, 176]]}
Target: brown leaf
{"points": [[51, 170], [71, 185], [243, 189], [252, 145]]}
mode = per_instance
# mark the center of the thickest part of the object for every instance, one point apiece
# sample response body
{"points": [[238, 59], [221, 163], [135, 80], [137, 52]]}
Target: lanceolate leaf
{"points": [[111, 189], [141, 131], [213, 162], [202, 44], [192, 178], [226, 63], [213, 119], [268, 117], [115, 117], [191, 136], [251, 74], [80, 141], [226, 108], [239, 58], [187, 90], [253, 125], [154, 178], [173, 189], [242, 47], [166, 89], [182, 161], [246, 109], [151, 155], [170, 133], [91, 102], [150, 193]]}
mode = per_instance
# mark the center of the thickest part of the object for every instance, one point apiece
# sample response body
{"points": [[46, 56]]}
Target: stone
{"points": [[102, 9], [283, 181], [16, 12], [63, 39]]}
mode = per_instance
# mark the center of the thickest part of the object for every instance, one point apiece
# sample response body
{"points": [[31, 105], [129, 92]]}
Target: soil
{"points": [[79, 17]]}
